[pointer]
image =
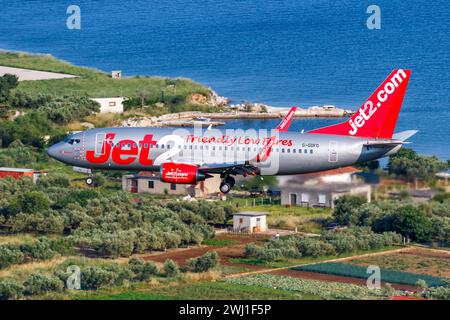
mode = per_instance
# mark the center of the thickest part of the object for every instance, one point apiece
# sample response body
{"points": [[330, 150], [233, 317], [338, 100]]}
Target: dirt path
{"points": [[234, 250]]}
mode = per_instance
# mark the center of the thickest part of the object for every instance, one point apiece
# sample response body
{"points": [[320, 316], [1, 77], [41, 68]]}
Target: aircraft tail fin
{"points": [[377, 117]]}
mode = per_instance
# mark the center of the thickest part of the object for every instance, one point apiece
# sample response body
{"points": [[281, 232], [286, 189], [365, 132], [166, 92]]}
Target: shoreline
{"points": [[188, 118]]}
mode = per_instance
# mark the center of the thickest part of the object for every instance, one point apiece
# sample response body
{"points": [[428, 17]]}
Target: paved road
{"points": [[27, 74]]}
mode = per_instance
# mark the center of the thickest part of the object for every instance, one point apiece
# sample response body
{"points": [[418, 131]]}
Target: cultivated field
{"points": [[417, 260]]}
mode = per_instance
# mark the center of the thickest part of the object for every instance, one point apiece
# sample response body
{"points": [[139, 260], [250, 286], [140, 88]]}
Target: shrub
{"points": [[39, 283], [10, 289], [171, 268], [39, 250], [268, 255], [204, 263], [150, 269], [93, 278], [250, 250], [9, 256]]}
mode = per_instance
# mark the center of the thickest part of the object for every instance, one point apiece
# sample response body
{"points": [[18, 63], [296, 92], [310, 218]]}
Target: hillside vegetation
{"points": [[95, 83]]}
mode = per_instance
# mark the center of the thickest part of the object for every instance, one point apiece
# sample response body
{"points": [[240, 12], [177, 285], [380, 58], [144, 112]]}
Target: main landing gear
{"points": [[227, 184]]}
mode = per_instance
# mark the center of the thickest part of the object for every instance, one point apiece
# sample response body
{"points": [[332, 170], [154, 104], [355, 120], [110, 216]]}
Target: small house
{"points": [[18, 173], [148, 182], [110, 105], [250, 221], [320, 189]]}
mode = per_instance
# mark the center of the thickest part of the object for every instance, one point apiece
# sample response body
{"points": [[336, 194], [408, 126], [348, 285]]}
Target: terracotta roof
{"points": [[148, 174]]}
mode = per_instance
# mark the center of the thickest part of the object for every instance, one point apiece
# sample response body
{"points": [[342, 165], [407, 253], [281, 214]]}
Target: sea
{"points": [[278, 52]]}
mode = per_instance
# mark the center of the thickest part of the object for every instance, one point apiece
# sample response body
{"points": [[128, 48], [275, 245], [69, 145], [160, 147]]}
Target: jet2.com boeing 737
{"points": [[187, 156]]}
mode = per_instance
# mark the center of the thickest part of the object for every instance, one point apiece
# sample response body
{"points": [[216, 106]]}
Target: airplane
{"points": [[187, 156]]}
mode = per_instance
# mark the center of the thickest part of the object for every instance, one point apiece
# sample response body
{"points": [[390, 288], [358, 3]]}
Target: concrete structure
{"points": [[148, 182], [322, 188], [110, 105], [250, 221], [116, 74], [28, 74], [18, 173]]}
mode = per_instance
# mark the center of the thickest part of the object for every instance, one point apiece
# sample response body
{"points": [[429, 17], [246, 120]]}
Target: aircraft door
{"points": [[333, 152], [99, 139]]}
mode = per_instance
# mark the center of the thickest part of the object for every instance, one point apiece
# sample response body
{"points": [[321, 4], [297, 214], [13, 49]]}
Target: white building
{"points": [[110, 105], [250, 221], [320, 189]]}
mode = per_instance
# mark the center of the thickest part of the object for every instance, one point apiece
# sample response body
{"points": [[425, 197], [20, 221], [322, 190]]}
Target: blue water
{"points": [[279, 52]]}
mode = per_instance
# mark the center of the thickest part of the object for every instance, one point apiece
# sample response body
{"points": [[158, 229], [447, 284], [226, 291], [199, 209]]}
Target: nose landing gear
{"points": [[227, 184], [89, 181]]}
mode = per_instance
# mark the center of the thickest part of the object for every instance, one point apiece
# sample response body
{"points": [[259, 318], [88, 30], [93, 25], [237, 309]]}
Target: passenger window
{"points": [[288, 150], [311, 151], [305, 151], [294, 150], [282, 150]]}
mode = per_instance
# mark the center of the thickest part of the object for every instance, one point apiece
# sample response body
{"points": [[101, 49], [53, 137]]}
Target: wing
{"points": [[244, 169]]}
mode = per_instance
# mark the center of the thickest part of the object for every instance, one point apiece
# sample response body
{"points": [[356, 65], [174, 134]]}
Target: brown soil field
{"points": [[332, 278], [235, 250], [416, 260]]}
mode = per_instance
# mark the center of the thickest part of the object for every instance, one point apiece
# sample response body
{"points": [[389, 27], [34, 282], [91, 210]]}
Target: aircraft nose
{"points": [[53, 151]]}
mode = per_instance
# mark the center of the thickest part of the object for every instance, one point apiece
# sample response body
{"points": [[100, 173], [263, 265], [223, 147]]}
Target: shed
{"points": [[250, 221]]}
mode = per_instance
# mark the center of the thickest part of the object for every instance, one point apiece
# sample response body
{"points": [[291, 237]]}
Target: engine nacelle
{"points": [[182, 173]]}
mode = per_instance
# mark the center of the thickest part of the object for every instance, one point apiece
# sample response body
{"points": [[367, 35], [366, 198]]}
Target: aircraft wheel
{"points": [[89, 181], [227, 184]]}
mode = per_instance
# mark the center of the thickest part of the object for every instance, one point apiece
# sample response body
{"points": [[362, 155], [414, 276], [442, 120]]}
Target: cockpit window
{"points": [[73, 141]]}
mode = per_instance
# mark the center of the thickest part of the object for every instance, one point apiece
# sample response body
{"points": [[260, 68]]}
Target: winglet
{"points": [[287, 120]]}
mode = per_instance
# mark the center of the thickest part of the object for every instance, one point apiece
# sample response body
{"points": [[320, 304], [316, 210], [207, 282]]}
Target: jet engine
{"points": [[181, 173]]}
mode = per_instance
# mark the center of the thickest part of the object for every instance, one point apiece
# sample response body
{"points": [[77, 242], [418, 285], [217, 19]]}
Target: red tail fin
{"points": [[378, 115]]}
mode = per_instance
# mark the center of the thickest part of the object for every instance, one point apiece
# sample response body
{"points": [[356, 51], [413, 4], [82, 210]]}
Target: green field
{"points": [[307, 288], [217, 290], [391, 276], [95, 83], [309, 220]]}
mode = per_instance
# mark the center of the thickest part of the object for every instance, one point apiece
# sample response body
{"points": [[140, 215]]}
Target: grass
{"points": [[285, 262], [94, 83], [218, 242], [216, 290], [436, 266], [308, 220]]}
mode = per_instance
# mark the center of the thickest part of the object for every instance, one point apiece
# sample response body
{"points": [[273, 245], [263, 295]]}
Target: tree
{"points": [[93, 278], [10, 290], [346, 209], [408, 164], [170, 268], [38, 284], [409, 221], [29, 202], [9, 256], [7, 83], [204, 263]]}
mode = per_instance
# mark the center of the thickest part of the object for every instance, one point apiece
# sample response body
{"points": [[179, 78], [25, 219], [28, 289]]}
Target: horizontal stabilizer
{"points": [[383, 143], [404, 135]]}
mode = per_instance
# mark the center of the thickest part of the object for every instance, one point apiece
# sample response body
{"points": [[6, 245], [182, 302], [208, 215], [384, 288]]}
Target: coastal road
{"points": [[27, 74]]}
